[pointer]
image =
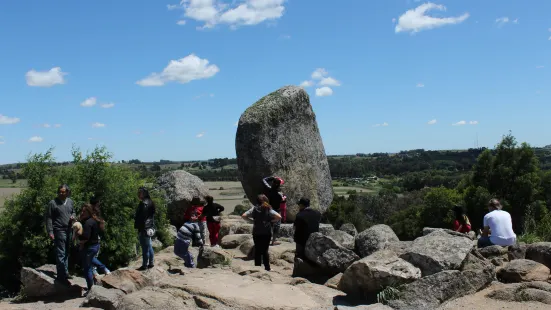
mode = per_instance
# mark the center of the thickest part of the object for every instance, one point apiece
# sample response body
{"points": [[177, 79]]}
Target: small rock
{"points": [[297, 281], [328, 255], [204, 302], [523, 270], [103, 298], [247, 248], [334, 281], [349, 228], [126, 280], [493, 251], [374, 239], [213, 256], [517, 251], [234, 241]]}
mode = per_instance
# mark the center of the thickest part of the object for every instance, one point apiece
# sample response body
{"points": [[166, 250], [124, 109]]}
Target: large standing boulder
{"points": [[279, 135], [373, 273], [540, 252], [375, 238], [523, 270], [180, 187], [438, 251], [328, 254]]}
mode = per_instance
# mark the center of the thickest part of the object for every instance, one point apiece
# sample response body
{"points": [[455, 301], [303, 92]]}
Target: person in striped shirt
{"points": [[190, 234]]}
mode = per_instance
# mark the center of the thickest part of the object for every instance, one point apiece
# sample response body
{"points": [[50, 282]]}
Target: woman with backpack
{"points": [[262, 216], [144, 222], [92, 226]]}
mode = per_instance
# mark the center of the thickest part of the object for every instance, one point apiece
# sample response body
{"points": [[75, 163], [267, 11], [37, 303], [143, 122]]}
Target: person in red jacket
{"points": [[461, 223], [196, 209]]}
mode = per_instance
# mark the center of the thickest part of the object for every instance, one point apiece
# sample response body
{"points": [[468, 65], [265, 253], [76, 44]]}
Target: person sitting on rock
{"points": [[276, 198], [190, 234], [461, 223], [498, 227], [307, 222], [212, 212], [196, 208], [262, 216]]}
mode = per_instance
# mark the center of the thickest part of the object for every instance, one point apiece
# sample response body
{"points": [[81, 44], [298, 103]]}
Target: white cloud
{"points": [[473, 123], [285, 36], [202, 96], [57, 126], [306, 84], [460, 123], [200, 135], [181, 22], [36, 139], [324, 91], [539, 67], [236, 13], [48, 78], [502, 21], [319, 74], [379, 125], [183, 71], [432, 122], [98, 125], [385, 124], [329, 81], [5, 120], [89, 102], [415, 20], [107, 105], [420, 85], [46, 125]]}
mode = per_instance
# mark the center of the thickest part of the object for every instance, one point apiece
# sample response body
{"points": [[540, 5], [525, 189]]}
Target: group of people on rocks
{"points": [[497, 225]]}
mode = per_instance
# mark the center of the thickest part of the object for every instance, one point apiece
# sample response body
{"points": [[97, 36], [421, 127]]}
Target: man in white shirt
{"points": [[498, 227]]}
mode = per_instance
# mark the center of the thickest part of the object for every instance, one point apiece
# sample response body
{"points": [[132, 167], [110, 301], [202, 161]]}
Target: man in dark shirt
{"points": [[59, 217], [307, 222]]}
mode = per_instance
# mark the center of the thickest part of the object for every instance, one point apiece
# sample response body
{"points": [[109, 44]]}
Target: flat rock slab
{"points": [[540, 252], [523, 270], [126, 280]]}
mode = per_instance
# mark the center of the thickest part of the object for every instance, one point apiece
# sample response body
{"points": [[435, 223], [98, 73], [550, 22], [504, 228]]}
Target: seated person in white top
{"points": [[498, 227]]}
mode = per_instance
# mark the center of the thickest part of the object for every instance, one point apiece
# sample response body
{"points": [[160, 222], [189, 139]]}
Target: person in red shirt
{"points": [[461, 223], [196, 210]]}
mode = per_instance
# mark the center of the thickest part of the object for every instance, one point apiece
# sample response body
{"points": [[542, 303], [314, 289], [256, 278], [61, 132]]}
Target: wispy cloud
{"points": [[319, 74], [36, 139], [5, 120], [2, 141], [381, 125], [416, 20], [200, 135], [48, 78], [473, 123], [460, 123], [306, 84], [89, 102], [420, 85], [107, 105], [57, 126], [539, 67], [98, 125], [45, 125], [285, 37], [432, 122], [203, 96]]}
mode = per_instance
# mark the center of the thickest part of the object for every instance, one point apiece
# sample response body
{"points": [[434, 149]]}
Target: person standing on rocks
{"points": [[92, 226], [59, 217], [262, 216], [498, 227], [307, 222], [276, 198], [197, 209], [144, 222], [190, 234], [212, 212]]}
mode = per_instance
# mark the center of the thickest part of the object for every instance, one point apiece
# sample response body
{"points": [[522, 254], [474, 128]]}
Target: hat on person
{"points": [[304, 201], [281, 182], [195, 201]]}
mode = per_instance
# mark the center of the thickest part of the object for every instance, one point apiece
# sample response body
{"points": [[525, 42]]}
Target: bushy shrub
{"points": [[23, 238]]}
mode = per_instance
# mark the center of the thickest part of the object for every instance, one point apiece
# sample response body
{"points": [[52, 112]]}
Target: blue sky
{"points": [[167, 80]]}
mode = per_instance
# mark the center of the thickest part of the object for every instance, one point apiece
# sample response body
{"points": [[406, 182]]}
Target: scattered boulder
{"points": [[279, 135], [399, 247], [431, 291], [244, 229], [281, 251], [180, 187], [326, 229], [375, 272], [540, 252], [234, 241], [103, 298], [334, 281], [37, 284], [373, 239], [493, 251], [349, 228], [430, 230], [212, 256], [438, 251], [523, 292], [517, 251], [228, 227], [523, 270], [342, 238], [328, 254], [126, 280]]}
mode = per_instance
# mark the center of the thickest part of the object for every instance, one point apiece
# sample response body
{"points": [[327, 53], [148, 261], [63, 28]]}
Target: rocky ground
{"points": [[347, 269]]}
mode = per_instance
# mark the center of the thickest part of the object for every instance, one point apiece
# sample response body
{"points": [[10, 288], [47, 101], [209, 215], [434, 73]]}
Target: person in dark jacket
{"points": [[307, 222], [144, 222], [92, 226], [262, 216], [212, 212], [190, 234], [272, 187], [59, 217]]}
